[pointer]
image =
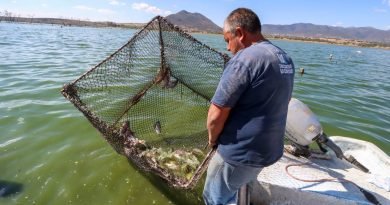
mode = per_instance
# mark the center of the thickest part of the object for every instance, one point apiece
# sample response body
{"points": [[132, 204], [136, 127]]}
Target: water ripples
{"points": [[49, 146]]}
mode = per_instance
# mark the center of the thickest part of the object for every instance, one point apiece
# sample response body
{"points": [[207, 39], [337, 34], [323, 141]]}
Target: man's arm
{"points": [[216, 119]]}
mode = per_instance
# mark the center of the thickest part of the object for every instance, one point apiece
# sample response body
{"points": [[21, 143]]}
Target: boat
{"points": [[326, 180]]}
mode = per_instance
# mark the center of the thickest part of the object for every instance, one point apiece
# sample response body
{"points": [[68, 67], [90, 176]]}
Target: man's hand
{"points": [[211, 144]]}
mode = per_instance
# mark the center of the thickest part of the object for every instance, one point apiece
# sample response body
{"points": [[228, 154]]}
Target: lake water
{"points": [[52, 155]]}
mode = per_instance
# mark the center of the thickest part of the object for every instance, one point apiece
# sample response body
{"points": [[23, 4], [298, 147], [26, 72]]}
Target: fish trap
{"points": [[150, 99]]}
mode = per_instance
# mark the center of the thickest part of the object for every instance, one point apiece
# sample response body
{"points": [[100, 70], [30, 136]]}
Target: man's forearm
{"points": [[216, 119], [214, 129]]}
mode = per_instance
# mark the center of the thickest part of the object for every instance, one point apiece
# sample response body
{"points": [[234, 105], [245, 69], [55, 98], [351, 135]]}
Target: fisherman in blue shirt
{"points": [[247, 116]]}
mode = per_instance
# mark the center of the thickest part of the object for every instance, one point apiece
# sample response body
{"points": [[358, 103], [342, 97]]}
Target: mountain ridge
{"points": [[324, 31], [193, 22], [196, 22]]}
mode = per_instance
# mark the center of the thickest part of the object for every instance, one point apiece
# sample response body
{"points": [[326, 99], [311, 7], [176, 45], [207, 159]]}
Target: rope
{"points": [[312, 180]]}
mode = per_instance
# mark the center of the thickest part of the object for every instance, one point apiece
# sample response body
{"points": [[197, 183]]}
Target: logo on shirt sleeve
{"points": [[281, 58], [285, 67]]}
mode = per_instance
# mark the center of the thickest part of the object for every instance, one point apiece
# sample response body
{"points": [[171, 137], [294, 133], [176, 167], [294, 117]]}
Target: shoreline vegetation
{"points": [[336, 41], [8, 17]]}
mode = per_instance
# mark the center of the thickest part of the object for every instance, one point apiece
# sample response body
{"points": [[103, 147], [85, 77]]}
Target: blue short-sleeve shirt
{"points": [[257, 84]]}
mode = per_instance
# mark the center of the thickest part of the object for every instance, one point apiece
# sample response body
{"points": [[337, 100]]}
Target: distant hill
{"points": [[320, 31], [193, 22], [196, 22]]}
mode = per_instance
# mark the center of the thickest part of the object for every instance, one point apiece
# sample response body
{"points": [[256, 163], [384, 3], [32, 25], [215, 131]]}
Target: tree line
{"points": [[7, 16]]}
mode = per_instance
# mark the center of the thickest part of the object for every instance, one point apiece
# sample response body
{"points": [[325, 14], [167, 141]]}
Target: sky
{"points": [[345, 13]]}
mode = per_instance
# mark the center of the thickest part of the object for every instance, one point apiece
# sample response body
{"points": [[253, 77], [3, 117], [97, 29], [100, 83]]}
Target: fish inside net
{"points": [[150, 99]]}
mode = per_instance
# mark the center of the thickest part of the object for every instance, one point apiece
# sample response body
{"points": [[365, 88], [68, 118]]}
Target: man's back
{"points": [[257, 84], [247, 116]]}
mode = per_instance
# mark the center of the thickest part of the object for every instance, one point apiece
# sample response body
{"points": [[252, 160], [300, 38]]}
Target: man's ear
{"points": [[240, 34]]}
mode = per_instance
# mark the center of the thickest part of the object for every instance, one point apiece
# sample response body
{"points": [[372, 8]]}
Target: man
{"points": [[247, 117]]}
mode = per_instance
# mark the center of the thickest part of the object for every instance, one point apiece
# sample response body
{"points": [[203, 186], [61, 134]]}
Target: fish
{"points": [[125, 131], [165, 79], [124, 128], [157, 127], [170, 83]]}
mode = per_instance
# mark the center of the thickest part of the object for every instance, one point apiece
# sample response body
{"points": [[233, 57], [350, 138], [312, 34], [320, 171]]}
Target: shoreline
{"points": [[333, 41], [108, 24]]}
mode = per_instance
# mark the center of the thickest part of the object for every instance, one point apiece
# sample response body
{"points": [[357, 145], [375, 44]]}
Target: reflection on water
{"points": [[57, 157], [8, 188]]}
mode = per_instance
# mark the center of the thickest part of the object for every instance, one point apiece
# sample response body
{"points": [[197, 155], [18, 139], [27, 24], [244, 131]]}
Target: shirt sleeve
{"points": [[234, 82]]}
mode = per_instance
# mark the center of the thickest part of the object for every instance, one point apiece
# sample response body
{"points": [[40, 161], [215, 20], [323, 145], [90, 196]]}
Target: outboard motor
{"points": [[303, 128]]}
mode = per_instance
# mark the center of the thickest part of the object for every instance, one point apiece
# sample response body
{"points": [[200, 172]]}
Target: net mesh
{"points": [[150, 98]]}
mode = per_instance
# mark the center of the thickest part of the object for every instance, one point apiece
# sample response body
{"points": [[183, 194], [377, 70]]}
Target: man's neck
{"points": [[253, 38]]}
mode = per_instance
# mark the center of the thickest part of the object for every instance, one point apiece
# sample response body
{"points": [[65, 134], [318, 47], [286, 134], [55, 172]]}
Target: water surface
{"points": [[48, 146]]}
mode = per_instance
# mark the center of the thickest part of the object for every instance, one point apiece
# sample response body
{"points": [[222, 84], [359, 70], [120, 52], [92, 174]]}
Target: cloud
{"points": [[105, 11], [116, 3], [86, 8], [150, 9], [83, 8], [380, 10], [338, 24], [386, 2]]}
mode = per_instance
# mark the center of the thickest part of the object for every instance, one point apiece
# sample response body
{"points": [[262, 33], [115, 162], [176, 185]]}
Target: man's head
{"points": [[241, 28]]}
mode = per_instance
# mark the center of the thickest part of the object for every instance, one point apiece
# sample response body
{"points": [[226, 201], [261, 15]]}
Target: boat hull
{"points": [[276, 186]]}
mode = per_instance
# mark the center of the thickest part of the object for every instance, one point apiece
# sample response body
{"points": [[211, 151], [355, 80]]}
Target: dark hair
{"points": [[244, 18]]}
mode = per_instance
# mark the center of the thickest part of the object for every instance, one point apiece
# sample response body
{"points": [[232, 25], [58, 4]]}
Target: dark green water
{"points": [[57, 157]]}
